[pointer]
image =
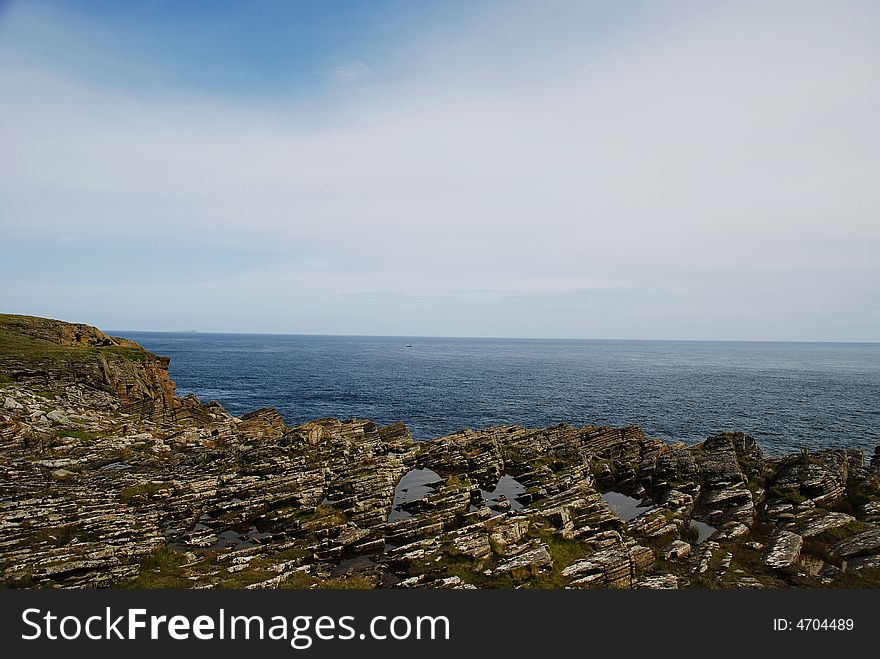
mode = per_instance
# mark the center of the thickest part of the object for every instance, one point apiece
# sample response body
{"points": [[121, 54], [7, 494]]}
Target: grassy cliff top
{"points": [[29, 338]]}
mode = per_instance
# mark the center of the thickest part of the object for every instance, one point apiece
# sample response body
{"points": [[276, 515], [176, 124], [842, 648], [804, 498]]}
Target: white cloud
{"points": [[710, 173], [347, 72]]}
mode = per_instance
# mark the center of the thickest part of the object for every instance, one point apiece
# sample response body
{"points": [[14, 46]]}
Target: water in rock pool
{"points": [[414, 486], [704, 531], [506, 490], [787, 395], [626, 507]]}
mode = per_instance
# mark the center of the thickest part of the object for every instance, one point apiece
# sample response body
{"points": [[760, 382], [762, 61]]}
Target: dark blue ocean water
{"points": [[787, 395]]}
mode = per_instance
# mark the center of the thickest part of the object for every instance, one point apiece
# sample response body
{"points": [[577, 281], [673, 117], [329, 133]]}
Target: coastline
{"points": [[114, 480]]}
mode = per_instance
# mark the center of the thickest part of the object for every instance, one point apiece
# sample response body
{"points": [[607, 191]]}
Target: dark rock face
{"points": [[109, 479]]}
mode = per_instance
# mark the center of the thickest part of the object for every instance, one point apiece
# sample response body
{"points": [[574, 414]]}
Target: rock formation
{"points": [[109, 479]]}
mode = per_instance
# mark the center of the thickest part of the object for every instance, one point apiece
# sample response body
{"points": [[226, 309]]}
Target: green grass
{"points": [[858, 494], [128, 494], [788, 494], [690, 534], [124, 352], [79, 434], [864, 578], [458, 481], [57, 536], [16, 344], [832, 536], [464, 567], [300, 580], [162, 569], [564, 553], [754, 485], [167, 568]]}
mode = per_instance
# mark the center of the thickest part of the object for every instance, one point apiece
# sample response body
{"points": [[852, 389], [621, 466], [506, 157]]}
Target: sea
{"points": [[787, 395]]}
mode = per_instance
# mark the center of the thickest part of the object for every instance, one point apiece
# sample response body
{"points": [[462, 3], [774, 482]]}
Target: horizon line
{"points": [[486, 337]]}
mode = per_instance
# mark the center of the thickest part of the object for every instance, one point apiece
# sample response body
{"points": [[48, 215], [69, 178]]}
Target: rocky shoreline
{"points": [[111, 480]]}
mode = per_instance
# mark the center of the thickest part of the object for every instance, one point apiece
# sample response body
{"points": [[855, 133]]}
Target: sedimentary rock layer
{"points": [[109, 479]]}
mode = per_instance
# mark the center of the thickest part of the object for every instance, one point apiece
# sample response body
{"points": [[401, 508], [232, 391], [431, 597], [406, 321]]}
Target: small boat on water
{"points": [[408, 345]]}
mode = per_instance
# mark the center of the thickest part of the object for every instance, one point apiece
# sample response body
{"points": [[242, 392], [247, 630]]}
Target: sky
{"points": [[665, 170]]}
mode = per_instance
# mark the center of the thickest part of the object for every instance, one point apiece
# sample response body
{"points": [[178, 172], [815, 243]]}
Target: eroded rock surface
{"points": [[110, 479]]}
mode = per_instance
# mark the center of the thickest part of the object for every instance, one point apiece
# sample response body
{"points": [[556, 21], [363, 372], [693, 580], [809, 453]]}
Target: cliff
{"points": [[112, 480], [51, 353]]}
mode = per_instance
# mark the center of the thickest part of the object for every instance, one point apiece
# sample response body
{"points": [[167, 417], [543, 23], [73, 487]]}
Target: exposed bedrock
{"points": [[109, 479]]}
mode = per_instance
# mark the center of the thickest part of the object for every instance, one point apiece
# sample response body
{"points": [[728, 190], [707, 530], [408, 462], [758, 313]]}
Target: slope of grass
{"points": [[21, 340]]}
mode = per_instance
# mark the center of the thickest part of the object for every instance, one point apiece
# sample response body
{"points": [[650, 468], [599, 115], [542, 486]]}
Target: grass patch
{"points": [[690, 534], [24, 581], [467, 569], [788, 494], [129, 354], [458, 481], [79, 434], [754, 486], [169, 568], [161, 569], [308, 519], [18, 346], [831, 536], [325, 512], [858, 494], [57, 536], [864, 578], [564, 553], [17, 343], [300, 580], [132, 492]]}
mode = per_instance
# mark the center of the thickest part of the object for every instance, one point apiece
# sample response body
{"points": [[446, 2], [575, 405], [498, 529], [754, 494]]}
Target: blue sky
{"points": [[551, 169], [271, 49]]}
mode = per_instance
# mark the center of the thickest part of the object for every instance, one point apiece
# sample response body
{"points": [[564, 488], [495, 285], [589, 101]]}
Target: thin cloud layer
{"points": [[672, 174]]}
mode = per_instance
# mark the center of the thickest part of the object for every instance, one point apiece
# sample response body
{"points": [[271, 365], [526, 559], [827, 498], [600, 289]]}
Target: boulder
{"points": [[677, 550], [783, 550], [867, 542]]}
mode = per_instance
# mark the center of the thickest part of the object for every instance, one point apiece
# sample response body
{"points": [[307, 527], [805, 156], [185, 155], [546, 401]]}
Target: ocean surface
{"points": [[787, 395]]}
